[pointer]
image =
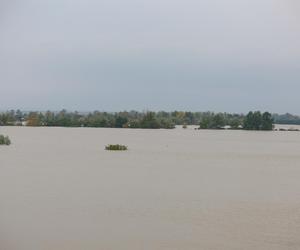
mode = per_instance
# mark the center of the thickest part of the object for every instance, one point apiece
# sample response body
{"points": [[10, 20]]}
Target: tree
{"points": [[267, 121], [33, 119], [218, 121], [120, 121], [149, 121], [204, 123], [234, 123], [257, 121], [212, 121]]}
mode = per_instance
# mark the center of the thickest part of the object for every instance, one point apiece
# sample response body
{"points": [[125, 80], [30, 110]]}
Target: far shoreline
{"points": [[277, 128]]}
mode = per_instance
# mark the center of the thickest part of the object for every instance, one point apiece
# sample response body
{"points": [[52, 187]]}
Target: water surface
{"points": [[173, 190]]}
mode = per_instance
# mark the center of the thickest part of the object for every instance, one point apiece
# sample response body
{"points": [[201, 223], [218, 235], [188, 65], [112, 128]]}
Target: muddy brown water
{"points": [[172, 190]]}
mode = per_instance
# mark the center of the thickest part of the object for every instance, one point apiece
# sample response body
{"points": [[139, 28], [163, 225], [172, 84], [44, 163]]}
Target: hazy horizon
{"points": [[223, 56], [143, 111]]}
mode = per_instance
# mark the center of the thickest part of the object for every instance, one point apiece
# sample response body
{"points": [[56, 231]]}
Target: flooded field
{"points": [[172, 190]]}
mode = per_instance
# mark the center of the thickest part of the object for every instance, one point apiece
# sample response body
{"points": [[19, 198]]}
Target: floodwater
{"points": [[172, 190]]}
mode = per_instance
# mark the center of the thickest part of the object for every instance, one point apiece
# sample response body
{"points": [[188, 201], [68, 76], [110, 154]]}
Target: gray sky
{"points": [[233, 55]]}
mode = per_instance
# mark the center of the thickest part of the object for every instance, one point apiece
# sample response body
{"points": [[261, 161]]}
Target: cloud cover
{"points": [[234, 55]]}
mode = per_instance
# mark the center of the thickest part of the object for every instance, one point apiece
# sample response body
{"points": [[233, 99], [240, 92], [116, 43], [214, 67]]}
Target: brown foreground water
{"points": [[173, 190]]}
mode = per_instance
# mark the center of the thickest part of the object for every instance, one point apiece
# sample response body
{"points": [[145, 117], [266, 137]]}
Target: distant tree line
{"points": [[286, 119], [131, 119], [134, 119], [211, 120], [252, 121]]}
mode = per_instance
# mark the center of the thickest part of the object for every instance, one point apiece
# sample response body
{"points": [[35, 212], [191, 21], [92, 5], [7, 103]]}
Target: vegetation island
{"points": [[116, 147], [4, 140], [152, 120]]}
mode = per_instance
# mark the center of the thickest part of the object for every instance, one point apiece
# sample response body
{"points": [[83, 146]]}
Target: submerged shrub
{"points": [[116, 147], [4, 140]]}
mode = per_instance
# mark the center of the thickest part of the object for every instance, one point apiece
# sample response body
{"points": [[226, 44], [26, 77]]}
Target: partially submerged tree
{"points": [[4, 140], [116, 147]]}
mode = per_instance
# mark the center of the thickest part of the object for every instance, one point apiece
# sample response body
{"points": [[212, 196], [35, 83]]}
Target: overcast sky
{"points": [[233, 55]]}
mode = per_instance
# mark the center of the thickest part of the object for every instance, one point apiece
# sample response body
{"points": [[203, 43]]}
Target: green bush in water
{"points": [[4, 140], [116, 147]]}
